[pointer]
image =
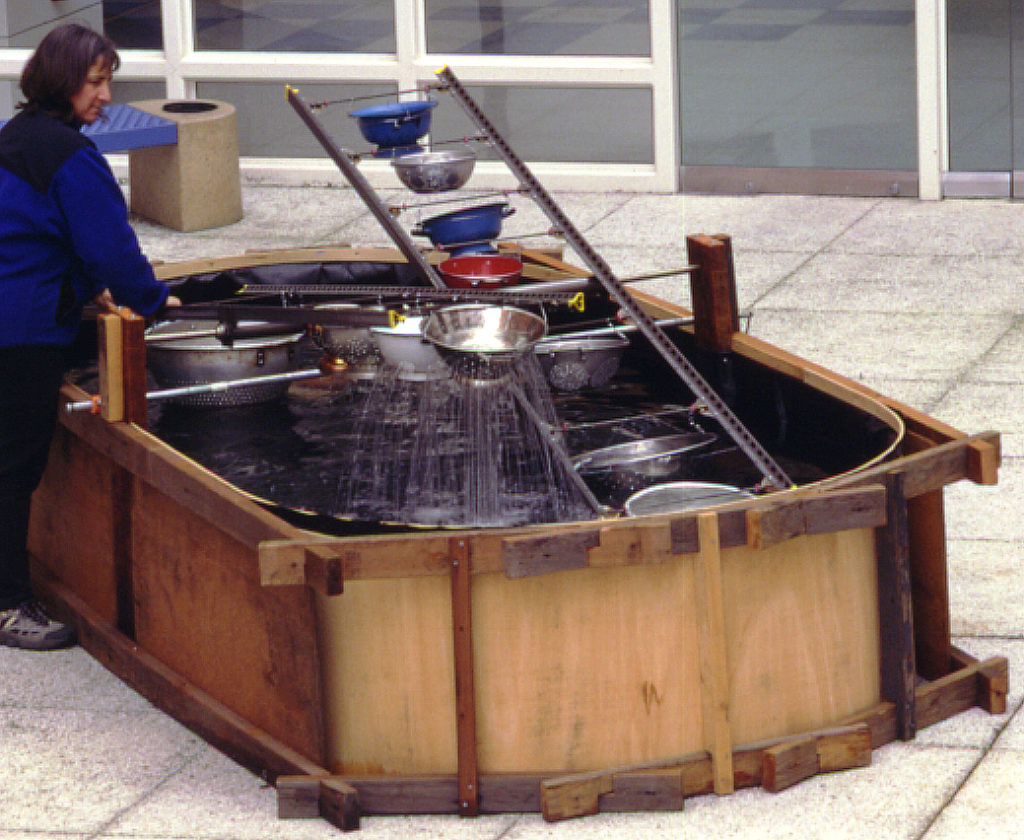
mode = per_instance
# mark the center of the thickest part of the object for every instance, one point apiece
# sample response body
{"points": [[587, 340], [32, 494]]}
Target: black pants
{"points": [[30, 379]]}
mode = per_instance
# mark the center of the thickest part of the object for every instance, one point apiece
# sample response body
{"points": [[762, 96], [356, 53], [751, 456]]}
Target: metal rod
{"points": [[611, 329], [366, 192], [550, 291], [550, 437], [682, 366], [207, 388]]}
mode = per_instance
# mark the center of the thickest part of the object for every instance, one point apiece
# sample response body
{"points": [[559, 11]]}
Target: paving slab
{"points": [[892, 345], [76, 770], [990, 804], [986, 587], [953, 227], [936, 284]]}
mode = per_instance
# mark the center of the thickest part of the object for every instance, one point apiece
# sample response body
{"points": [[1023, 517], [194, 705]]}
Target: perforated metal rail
{"points": [[512, 294], [604, 275], [366, 192]]}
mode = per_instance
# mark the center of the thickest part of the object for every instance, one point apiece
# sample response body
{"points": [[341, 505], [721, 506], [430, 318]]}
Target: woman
{"points": [[64, 240]]}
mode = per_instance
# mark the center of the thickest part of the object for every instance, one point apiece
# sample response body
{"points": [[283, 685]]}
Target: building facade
{"points": [[871, 97]]}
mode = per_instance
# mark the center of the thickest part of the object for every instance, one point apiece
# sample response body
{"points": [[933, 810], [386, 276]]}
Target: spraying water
{"points": [[458, 448]]}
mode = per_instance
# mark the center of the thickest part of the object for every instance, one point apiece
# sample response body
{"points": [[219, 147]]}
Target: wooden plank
{"points": [[339, 803], [110, 366], [711, 641], [925, 471], [793, 761], [465, 697], [982, 684], [713, 291], [732, 530], [926, 533], [895, 609], [133, 367], [298, 797], [786, 764], [824, 513], [540, 554], [847, 748], [579, 798], [302, 563], [170, 271], [254, 648]]}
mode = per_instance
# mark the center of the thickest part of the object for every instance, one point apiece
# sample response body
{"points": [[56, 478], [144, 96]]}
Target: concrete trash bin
{"points": [[194, 184]]}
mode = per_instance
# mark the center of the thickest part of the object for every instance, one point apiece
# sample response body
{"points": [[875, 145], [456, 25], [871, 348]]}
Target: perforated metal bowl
{"points": [[194, 361], [572, 364]]}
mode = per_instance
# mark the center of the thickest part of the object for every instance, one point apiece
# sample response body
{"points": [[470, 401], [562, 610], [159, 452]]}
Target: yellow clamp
{"points": [[394, 318], [577, 302]]}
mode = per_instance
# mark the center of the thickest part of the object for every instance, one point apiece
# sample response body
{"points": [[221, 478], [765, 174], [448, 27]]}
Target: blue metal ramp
{"points": [[123, 127]]}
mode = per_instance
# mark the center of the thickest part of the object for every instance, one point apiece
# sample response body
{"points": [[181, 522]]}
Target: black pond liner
{"points": [[284, 453]]}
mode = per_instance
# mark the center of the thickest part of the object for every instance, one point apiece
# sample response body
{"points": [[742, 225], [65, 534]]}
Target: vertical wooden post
{"points": [[714, 675], [465, 699], [895, 609], [713, 291], [110, 335], [122, 366], [929, 584], [133, 360]]}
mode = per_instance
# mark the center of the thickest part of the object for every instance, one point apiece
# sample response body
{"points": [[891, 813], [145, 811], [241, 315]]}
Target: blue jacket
{"points": [[64, 234]]}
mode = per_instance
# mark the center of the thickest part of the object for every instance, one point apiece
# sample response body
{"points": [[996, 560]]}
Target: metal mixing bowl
{"points": [[193, 361], [431, 172], [404, 347], [493, 333]]}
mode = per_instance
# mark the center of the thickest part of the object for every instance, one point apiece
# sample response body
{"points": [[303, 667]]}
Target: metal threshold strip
{"points": [[603, 274]]}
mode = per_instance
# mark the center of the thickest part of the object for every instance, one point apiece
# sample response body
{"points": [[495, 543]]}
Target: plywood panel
{"points": [[389, 679], [586, 669], [801, 633], [201, 611]]}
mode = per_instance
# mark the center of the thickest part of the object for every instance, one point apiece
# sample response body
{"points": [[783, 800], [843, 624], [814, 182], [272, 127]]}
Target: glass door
{"points": [[985, 66]]}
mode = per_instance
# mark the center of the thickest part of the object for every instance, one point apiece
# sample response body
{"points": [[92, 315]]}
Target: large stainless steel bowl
{"points": [[431, 172], [194, 361], [493, 333]]}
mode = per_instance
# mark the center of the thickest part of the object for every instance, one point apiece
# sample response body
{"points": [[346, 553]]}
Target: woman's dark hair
{"points": [[59, 67]]}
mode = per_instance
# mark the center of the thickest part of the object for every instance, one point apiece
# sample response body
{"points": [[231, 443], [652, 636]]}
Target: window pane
{"points": [[590, 125], [133, 24], [979, 50], [539, 27], [269, 127], [295, 25], [127, 92], [799, 83]]}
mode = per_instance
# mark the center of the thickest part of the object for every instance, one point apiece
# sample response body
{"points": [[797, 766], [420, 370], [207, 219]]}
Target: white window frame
{"points": [[180, 67]]}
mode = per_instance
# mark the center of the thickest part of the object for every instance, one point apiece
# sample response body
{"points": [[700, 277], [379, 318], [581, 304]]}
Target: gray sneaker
{"points": [[30, 626]]}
